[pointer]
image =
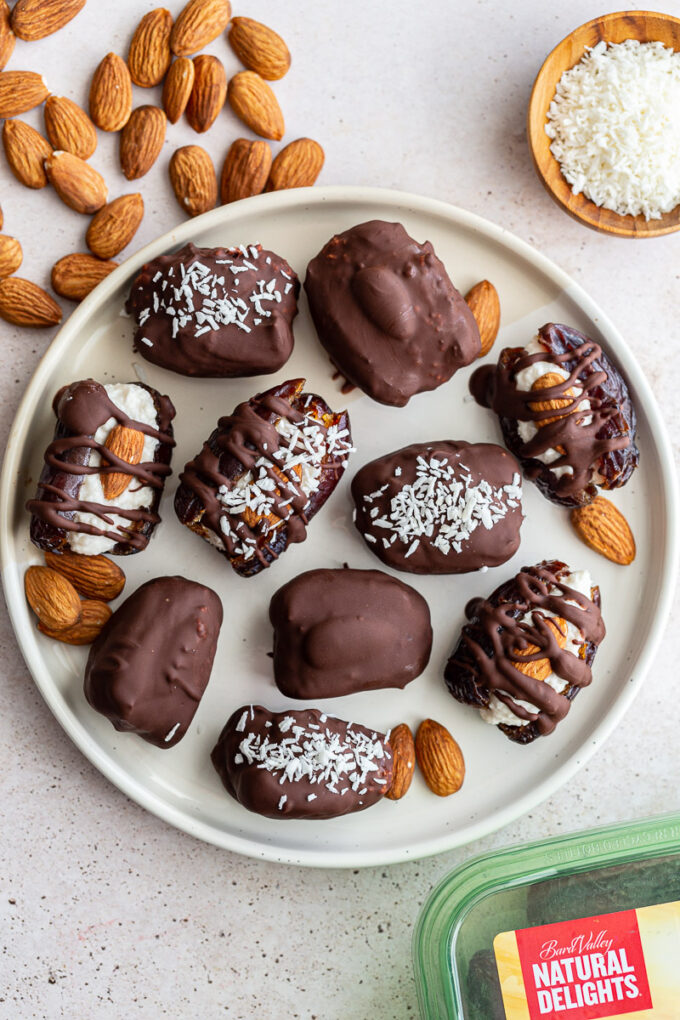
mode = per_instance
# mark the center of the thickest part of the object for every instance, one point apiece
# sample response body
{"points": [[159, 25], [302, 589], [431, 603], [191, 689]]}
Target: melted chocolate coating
{"points": [[606, 445], [149, 668], [494, 639], [379, 483], [341, 631], [257, 780], [242, 441], [387, 312], [80, 409], [220, 319]]}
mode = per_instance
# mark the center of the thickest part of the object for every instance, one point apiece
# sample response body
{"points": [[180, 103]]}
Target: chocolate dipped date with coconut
{"points": [[105, 469], [149, 668], [440, 508], [565, 412], [265, 471], [527, 650], [217, 312], [342, 631], [301, 764], [387, 313]]}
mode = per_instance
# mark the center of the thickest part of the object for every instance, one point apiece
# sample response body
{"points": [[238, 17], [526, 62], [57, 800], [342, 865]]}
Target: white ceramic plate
{"points": [[503, 779]]}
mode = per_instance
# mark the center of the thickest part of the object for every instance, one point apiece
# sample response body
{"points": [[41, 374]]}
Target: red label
{"points": [[584, 969]]}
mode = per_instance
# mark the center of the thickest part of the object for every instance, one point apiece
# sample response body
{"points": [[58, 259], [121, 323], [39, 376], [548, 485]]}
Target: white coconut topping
{"points": [[615, 127]]}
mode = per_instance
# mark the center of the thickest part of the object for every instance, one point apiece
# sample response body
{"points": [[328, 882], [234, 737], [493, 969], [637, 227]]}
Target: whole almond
{"points": [[259, 48], [440, 758], [545, 382], [253, 101], [404, 761], [69, 128], [179, 81], [149, 55], [296, 166], [193, 179], [198, 24], [7, 37], [127, 445], [74, 276], [95, 577], [208, 94], [485, 305], [26, 151], [2, 219], [52, 598], [602, 526], [141, 141], [245, 170], [540, 669], [77, 183], [114, 226], [35, 19], [93, 616], [11, 255], [111, 94], [26, 304], [21, 91]]}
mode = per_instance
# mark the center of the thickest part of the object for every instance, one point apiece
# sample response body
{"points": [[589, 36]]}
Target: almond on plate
{"points": [[483, 302], [95, 577], [113, 227], [199, 22], [141, 141], [149, 55], [11, 255], [260, 48], [77, 183], [296, 166], [193, 179], [52, 597], [245, 171], [7, 37], [440, 758], [69, 128], [26, 151], [602, 526], [255, 104], [21, 91], [111, 94], [93, 616], [74, 276], [179, 81], [36, 19], [125, 444], [24, 303], [208, 94], [404, 761]]}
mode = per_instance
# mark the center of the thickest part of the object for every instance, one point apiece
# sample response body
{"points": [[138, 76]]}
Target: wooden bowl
{"points": [[646, 26]]}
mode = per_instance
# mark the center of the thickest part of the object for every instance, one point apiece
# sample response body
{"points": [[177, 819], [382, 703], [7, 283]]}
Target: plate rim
{"points": [[134, 788]]}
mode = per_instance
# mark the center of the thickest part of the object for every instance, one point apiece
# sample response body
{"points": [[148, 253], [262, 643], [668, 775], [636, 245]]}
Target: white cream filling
{"points": [[136, 403], [498, 712]]}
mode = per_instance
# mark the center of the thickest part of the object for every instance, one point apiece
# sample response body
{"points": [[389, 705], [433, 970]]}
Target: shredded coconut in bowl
{"points": [[615, 126]]}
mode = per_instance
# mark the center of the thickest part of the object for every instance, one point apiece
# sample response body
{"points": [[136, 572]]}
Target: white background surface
{"points": [[106, 911]]}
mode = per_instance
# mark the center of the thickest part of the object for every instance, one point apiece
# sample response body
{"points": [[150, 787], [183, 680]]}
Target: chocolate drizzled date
{"points": [[301, 764], [594, 443], [387, 313], [149, 668], [265, 471], [342, 631], [81, 409], [216, 312], [511, 628]]}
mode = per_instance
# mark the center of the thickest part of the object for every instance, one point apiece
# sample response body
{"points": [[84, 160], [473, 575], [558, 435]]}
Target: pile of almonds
{"points": [[163, 52]]}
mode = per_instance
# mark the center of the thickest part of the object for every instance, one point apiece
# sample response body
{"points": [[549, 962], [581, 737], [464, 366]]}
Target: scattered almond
{"points": [[193, 179], [296, 166], [35, 19], [484, 304], [74, 276], [141, 141], [93, 616], [440, 758], [179, 81], [52, 598], [404, 761], [602, 526], [7, 37], [540, 669], [11, 255], [26, 304], [127, 445], [198, 24], [253, 101], [111, 94], [2, 219], [546, 382], [114, 226], [259, 48], [26, 151], [21, 91], [77, 183], [208, 94], [149, 55], [69, 128], [245, 170], [95, 577]]}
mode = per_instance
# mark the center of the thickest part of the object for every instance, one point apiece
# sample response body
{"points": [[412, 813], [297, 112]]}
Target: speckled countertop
{"points": [[107, 911]]}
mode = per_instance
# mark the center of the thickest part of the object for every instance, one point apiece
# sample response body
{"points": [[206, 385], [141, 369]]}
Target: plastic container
{"points": [[559, 929]]}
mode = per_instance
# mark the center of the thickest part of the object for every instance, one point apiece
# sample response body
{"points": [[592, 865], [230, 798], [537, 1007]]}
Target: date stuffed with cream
{"points": [[565, 412], [527, 650], [301, 764]]}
